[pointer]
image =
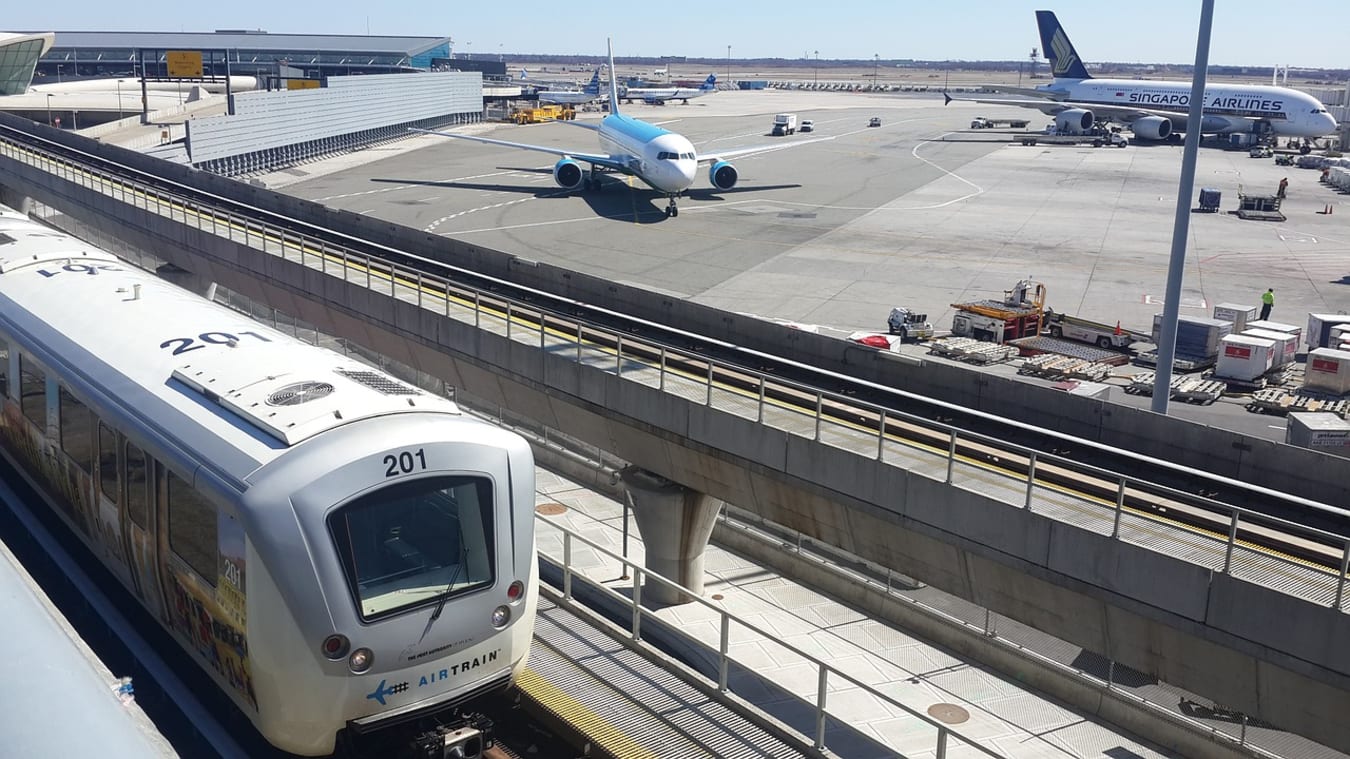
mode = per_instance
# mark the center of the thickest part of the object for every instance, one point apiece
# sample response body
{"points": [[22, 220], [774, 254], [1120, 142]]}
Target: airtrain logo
{"points": [[382, 691], [1065, 58]]}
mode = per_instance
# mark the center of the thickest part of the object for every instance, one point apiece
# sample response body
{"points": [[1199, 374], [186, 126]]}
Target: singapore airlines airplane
{"points": [[664, 160], [659, 95], [1156, 110]]}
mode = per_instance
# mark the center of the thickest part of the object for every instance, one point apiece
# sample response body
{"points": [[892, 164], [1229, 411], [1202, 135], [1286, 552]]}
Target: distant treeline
{"points": [[1331, 76]]}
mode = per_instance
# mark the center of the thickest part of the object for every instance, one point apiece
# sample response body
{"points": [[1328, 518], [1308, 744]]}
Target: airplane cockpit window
{"points": [[665, 156]]}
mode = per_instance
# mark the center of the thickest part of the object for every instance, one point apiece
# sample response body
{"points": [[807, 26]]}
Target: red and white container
{"points": [[1328, 369], [1244, 358], [1286, 344]]}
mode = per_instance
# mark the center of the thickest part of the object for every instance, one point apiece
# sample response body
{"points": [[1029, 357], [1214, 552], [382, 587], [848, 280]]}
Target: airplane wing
{"points": [[723, 155], [1120, 113], [609, 162]]}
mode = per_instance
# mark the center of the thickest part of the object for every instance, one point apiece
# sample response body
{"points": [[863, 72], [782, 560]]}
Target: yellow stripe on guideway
{"points": [[608, 739]]}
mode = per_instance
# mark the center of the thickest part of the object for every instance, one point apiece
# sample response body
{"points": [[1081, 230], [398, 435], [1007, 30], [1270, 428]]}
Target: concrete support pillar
{"points": [[675, 523]]}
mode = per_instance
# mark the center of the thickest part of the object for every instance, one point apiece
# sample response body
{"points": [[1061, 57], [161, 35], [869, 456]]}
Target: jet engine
{"points": [[1074, 121], [1152, 127], [568, 173], [723, 175]]}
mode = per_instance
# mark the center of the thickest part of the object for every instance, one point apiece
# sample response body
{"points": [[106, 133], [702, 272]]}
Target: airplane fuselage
{"points": [[1228, 108], [666, 161]]}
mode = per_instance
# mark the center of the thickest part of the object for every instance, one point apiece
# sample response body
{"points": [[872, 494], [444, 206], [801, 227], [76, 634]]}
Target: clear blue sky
{"points": [[1246, 32]]}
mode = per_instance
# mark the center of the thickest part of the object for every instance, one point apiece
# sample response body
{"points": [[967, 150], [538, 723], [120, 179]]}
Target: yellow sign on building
{"points": [[184, 64], [302, 84]]}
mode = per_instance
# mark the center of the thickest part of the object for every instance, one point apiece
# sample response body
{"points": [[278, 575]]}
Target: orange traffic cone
{"points": [[1118, 330]]}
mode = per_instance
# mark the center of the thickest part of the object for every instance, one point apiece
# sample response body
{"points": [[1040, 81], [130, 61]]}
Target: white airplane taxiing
{"points": [[659, 95], [587, 94], [1158, 110], [666, 161]]}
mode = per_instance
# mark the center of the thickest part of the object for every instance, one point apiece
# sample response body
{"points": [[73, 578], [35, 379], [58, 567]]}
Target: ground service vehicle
{"points": [[908, 324], [1018, 315], [875, 122], [808, 125], [336, 549], [1096, 138], [784, 123], [980, 122], [543, 113], [1084, 331]]}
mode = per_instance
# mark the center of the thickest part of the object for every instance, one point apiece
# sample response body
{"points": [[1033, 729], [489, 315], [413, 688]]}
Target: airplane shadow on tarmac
{"points": [[616, 200]]}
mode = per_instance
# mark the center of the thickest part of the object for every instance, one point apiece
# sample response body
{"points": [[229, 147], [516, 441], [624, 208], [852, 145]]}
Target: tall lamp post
{"points": [[49, 109], [876, 64], [816, 78], [119, 99], [728, 63]]}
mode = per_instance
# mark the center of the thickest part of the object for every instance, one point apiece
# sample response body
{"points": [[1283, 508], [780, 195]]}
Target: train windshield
{"points": [[408, 544]]}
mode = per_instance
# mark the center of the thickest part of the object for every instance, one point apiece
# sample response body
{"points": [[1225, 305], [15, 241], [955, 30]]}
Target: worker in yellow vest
{"points": [[1267, 303]]}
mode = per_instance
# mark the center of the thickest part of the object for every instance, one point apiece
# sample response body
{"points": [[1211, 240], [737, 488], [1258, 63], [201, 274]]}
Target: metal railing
{"points": [[826, 417], [826, 675]]}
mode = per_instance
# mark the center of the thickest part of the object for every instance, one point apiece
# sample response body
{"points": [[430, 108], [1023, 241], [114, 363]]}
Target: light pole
{"points": [[728, 63], [119, 99], [816, 79], [58, 73], [876, 63], [49, 109]]}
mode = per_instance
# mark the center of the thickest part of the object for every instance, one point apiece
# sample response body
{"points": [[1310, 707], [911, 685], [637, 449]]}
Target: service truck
{"points": [[980, 122], [784, 123], [1096, 140], [908, 324], [1084, 331]]}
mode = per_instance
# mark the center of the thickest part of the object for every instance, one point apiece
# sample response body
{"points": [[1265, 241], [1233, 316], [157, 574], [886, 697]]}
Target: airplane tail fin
{"points": [[613, 80], [1064, 60], [710, 83], [593, 88], [524, 74]]}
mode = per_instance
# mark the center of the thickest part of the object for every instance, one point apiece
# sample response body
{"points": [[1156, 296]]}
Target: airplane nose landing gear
{"points": [[671, 210]]}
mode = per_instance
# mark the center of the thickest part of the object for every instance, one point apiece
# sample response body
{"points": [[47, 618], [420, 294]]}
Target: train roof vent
{"points": [[298, 393], [378, 382]]}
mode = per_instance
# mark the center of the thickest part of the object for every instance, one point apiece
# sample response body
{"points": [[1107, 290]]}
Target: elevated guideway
{"points": [[1215, 597]]}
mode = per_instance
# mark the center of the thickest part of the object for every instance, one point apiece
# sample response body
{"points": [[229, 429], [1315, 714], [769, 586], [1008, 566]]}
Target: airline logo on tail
{"points": [[1065, 62], [1063, 53], [594, 87], [710, 83]]}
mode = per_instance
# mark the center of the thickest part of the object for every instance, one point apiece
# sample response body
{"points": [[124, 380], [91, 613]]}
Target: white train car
{"points": [[339, 550]]}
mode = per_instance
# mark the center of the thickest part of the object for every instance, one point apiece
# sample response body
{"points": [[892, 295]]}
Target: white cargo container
{"points": [[1294, 330], [1319, 328], [1244, 358], [1236, 313], [1328, 369], [1339, 334], [1319, 431], [1286, 344]]}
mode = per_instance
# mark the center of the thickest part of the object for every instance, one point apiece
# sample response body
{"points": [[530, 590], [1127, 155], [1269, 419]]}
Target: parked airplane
{"points": [[1157, 110], [587, 94], [659, 95], [666, 161]]}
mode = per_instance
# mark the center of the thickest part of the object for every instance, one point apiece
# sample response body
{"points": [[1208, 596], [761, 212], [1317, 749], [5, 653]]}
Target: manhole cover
{"points": [[949, 713], [550, 509]]}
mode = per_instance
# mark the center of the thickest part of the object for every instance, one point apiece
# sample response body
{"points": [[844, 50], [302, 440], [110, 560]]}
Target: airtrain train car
{"points": [[338, 550]]}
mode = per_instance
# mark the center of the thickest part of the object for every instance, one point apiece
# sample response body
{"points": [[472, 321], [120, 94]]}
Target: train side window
{"points": [[32, 392], [4, 367], [76, 430], [192, 528], [107, 462], [138, 505]]}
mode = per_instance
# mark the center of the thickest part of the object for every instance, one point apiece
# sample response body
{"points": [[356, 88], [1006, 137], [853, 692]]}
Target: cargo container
{"points": [[1328, 370], [1286, 344], [1339, 334], [1236, 313], [1318, 431], [1319, 328], [1244, 358], [1292, 329], [1197, 337]]}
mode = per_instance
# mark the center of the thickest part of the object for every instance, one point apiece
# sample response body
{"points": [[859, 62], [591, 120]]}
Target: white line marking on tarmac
{"points": [[391, 188]]}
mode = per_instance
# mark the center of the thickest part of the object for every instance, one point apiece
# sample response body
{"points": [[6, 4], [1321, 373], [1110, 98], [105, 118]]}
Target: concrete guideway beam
{"points": [[675, 523]]}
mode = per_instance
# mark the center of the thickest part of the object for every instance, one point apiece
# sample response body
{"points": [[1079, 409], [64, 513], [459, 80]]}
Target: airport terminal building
{"points": [[239, 52]]}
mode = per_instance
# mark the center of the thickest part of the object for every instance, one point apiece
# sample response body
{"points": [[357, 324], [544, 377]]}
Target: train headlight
{"points": [[335, 646], [360, 660], [515, 591], [500, 616]]}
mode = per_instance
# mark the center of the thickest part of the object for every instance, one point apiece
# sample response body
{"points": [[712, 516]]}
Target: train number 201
{"points": [[185, 344], [405, 462]]}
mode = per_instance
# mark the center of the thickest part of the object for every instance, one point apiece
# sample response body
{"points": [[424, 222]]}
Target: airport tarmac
{"points": [[920, 212]]}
